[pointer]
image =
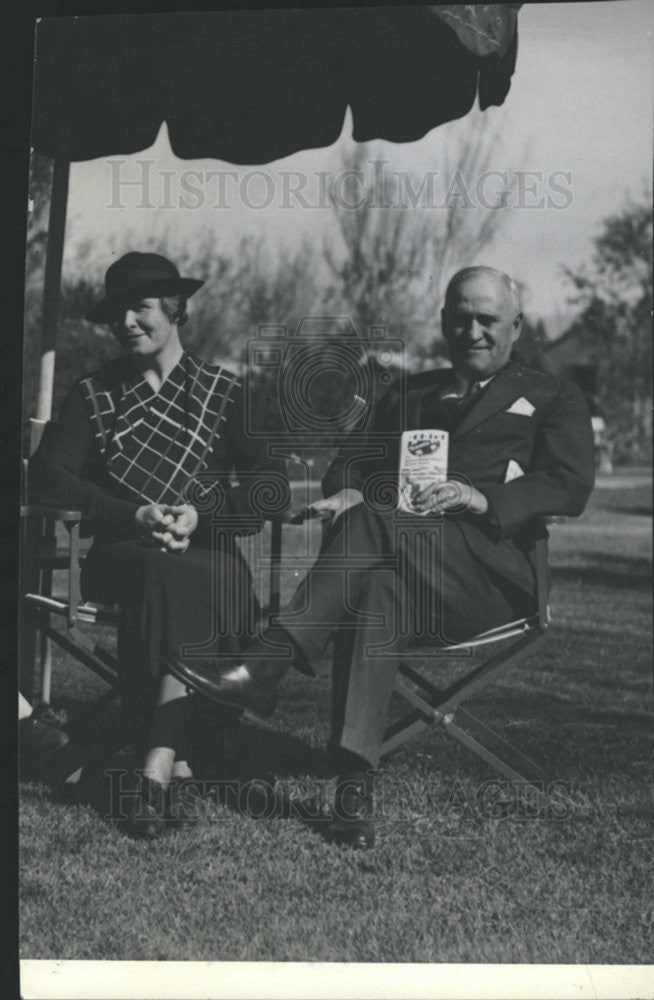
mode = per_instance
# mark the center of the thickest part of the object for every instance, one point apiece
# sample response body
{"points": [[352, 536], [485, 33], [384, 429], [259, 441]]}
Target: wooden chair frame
{"points": [[427, 706], [433, 707], [40, 558], [40, 607]]}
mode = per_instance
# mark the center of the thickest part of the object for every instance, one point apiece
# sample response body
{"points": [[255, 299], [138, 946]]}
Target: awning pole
{"points": [[53, 264]]}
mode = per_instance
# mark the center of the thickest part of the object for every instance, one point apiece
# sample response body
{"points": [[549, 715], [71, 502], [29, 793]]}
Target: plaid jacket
{"points": [[118, 444], [156, 444]]}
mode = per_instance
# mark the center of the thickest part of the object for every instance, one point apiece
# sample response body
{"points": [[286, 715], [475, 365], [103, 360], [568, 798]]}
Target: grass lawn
{"points": [[448, 880]]}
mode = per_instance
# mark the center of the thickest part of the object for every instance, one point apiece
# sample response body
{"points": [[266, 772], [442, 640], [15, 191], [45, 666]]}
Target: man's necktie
{"points": [[456, 404]]}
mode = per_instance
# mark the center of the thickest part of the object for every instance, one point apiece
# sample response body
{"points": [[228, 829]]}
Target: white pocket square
{"points": [[521, 406], [513, 471]]}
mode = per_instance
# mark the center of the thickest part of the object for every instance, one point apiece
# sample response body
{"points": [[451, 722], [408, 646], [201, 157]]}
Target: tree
{"points": [[244, 289], [530, 343], [403, 240], [40, 182], [614, 291], [389, 270]]}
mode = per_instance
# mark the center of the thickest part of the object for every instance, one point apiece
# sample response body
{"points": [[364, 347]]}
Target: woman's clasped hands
{"points": [[168, 526]]}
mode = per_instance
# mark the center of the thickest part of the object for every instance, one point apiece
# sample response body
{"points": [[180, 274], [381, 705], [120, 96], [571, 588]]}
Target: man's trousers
{"points": [[381, 582]]}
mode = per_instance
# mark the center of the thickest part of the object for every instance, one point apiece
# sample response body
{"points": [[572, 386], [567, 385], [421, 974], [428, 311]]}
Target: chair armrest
{"points": [[540, 552], [43, 531], [276, 524], [285, 517], [42, 508]]}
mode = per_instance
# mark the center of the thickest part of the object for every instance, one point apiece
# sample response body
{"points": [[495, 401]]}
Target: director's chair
{"points": [[426, 706], [52, 611], [47, 549]]}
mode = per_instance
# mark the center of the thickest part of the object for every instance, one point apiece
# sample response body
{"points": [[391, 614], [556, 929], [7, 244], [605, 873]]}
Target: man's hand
{"points": [[169, 525], [332, 507], [451, 497]]}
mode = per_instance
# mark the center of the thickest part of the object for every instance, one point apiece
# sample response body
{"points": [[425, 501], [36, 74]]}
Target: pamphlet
{"points": [[423, 460]]}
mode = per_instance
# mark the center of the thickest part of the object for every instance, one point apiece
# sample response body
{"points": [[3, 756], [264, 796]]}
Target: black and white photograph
{"points": [[335, 609]]}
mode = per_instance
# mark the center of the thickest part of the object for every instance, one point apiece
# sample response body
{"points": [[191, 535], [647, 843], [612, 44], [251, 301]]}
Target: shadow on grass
{"points": [[246, 775], [565, 737], [271, 774], [259, 752], [565, 708]]}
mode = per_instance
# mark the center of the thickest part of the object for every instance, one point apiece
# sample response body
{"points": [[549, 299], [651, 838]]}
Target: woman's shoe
{"points": [[185, 800], [149, 816], [39, 740]]}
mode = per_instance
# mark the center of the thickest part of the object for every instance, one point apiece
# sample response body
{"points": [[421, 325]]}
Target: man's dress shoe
{"points": [[252, 685], [352, 821]]}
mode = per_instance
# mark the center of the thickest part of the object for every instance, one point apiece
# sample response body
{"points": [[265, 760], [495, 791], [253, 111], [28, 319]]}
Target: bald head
{"points": [[481, 321], [507, 283]]}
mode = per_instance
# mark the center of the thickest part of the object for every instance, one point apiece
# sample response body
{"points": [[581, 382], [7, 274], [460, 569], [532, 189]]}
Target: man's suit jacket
{"points": [[522, 416]]}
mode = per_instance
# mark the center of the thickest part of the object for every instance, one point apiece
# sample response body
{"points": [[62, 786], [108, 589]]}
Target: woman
{"points": [[145, 447]]}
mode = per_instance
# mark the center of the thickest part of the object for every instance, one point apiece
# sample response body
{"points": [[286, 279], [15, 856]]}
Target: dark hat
{"points": [[140, 274]]}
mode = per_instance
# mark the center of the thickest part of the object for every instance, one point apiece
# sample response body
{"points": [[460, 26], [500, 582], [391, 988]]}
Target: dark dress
{"points": [[118, 445]]}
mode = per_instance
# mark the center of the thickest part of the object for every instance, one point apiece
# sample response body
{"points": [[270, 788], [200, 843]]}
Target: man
{"points": [[461, 562]]}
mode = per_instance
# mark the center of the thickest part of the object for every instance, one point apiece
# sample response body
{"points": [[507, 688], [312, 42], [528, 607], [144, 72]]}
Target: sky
{"points": [[577, 123]]}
